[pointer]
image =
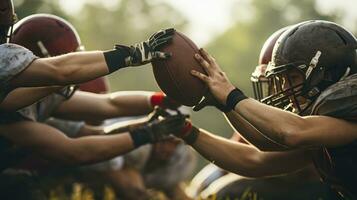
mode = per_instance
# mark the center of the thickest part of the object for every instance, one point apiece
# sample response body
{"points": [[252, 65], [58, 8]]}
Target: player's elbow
{"points": [[292, 135]]}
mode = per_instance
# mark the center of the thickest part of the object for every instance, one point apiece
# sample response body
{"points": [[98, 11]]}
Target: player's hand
{"points": [[189, 133], [163, 101], [149, 50], [210, 100], [157, 129], [216, 79]]}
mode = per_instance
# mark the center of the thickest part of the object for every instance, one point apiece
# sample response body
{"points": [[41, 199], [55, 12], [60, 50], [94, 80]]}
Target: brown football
{"points": [[173, 75]]}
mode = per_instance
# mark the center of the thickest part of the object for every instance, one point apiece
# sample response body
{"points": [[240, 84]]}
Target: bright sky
{"points": [[213, 16]]}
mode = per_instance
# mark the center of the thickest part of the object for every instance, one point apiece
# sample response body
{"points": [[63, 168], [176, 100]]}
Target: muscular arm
{"points": [[22, 97], [62, 70], [251, 134], [89, 106], [54, 145], [246, 160], [295, 131]]}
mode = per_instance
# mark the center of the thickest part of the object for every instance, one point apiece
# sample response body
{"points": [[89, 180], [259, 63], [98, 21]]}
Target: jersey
{"points": [[13, 60], [337, 166]]}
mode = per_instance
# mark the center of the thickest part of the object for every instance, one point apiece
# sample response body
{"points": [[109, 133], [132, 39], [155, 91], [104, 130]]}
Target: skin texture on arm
{"points": [[22, 97], [54, 145], [62, 70], [250, 133], [283, 127], [247, 160], [295, 131], [89, 106]]}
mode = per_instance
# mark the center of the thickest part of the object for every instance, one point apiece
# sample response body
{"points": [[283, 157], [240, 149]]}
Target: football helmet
{"points": [[46, 35], [307, 58], [260, 83]]}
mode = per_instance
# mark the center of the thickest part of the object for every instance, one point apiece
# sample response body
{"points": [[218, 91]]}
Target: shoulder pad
{"points": [[339, 100], [14, 59]]}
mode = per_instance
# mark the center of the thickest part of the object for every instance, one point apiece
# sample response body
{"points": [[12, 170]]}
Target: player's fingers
{"points": [[199, 75], [206, 56], [160, 55], [157, 44], [203, 62]]}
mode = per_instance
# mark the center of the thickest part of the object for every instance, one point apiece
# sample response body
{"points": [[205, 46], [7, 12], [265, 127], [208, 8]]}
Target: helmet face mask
{"points": [[263, 86], [288, 86], [260, 83]]}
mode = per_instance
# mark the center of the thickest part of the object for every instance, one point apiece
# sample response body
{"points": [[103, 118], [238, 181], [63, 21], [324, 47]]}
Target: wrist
{"points": [[115, 58], [234, 97], [189, 133], [140, 136], [157, 99]]}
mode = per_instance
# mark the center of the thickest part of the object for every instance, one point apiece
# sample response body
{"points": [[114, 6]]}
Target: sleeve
{"points": [[14, 59], [339, 101]]}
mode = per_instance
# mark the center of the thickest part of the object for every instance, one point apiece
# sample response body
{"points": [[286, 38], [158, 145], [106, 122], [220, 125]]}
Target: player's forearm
{"points": [[246, 160], [232, 156], [251, 134], [22, 97], [130, 103], [79, 67], [93, 149], [276, 124]]}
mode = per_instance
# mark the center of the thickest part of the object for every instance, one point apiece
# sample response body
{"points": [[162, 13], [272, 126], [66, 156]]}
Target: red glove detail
{"points": [[161, 100], [157, 99], [186, 130]]}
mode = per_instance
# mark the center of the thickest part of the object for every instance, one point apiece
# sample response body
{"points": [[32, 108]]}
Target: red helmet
{"points": [[7, 19], [46, 35], [261, 86], [99, 85]]}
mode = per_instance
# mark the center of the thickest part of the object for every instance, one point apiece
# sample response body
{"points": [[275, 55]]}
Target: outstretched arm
{"points": [[79, 67], [247, 160], [89, 106], [54, 145]]}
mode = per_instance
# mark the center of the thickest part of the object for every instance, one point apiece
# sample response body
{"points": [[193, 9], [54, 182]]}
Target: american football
{"points": [[173, 75]]}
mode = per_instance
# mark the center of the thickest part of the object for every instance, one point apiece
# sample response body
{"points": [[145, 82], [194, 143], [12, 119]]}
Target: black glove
{"points": [[141, 53], [210, 100], [157, 129], [144, 52]]}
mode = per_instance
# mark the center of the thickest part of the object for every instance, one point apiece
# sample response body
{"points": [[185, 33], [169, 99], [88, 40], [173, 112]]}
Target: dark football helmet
{"points": [[307, 58], [261, 86], [47, 35], [7, 20]]}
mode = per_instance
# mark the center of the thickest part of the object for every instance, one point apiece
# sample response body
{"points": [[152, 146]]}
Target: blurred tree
{"points": [[25, 8]]}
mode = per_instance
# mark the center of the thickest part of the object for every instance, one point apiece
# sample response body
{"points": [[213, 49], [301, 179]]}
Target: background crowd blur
{"points": [[231, 30]]}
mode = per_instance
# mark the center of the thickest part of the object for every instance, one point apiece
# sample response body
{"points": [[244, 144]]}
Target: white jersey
{"points": [[13, 60]]}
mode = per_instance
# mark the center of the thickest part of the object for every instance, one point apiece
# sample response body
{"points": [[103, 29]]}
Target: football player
{"points": [[24, 128], [314, 67], [22, 68]]}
